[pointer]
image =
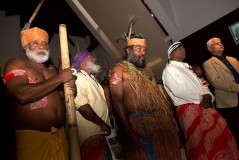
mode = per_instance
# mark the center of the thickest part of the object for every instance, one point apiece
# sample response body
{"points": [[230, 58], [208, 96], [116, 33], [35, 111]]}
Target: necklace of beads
{"points": [[132, 70]]}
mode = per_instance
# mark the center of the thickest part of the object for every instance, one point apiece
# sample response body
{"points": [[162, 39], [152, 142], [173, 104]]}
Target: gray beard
{"points": [[138, 61], [39, 59], [93, 68]]}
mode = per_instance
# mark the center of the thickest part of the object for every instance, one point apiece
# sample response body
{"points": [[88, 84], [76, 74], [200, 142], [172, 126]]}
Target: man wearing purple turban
{"points": [[92, 111]]}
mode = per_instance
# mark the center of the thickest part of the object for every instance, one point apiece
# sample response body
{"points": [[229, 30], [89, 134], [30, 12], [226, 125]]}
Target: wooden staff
{"points": [[28, 24], [69, 98]]}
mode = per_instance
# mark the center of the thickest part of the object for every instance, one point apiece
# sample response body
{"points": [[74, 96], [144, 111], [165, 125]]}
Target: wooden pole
{"points": [[69, 98]]}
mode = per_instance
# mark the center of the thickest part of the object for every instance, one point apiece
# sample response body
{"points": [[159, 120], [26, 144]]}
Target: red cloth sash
{"points": [[206, 134], [14, 73]]}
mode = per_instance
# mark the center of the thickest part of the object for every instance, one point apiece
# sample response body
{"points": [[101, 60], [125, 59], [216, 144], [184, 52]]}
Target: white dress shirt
{"points": [[182, 84]]}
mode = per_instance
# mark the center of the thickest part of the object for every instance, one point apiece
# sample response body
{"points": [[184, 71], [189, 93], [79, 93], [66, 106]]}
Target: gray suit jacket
{"points": [[220, 77]]}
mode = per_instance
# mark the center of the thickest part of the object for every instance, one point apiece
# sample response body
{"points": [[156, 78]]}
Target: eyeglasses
{"points": [[36, 44]]}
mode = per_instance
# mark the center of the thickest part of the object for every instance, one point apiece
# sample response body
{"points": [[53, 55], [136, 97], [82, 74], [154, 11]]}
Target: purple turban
{"points": [[79, 58]]}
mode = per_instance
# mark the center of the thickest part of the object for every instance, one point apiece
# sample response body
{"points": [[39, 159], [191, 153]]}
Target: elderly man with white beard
{"points": [[92, 111], [39, 113]]}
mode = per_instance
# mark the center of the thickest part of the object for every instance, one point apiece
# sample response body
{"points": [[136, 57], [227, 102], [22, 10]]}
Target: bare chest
{"points": [[40, 73], [136, 75]]}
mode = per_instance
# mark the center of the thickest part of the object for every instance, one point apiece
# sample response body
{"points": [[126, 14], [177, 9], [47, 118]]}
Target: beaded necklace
{"points": [[133, 70]]}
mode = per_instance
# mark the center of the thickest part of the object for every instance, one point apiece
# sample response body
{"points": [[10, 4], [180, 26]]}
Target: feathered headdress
{"points": [[126, 36], [132, 38]]}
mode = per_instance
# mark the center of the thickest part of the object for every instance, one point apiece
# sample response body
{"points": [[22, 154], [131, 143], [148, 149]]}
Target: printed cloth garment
{"points": [[206, 133], [95, 148]]}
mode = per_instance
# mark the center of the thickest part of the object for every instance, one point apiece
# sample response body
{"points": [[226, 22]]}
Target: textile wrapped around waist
{"points": [[32, 144], [206, 133], [160, 142]]}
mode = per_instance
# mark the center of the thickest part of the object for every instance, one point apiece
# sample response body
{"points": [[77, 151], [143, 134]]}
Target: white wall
{"points": [[184, 17]]}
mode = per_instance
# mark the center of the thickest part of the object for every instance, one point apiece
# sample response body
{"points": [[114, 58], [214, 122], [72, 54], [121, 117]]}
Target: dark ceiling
{"points": [[51, 14]]}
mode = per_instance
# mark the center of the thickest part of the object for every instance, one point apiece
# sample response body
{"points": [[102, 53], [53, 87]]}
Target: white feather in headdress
{"points": [[126, 36]]}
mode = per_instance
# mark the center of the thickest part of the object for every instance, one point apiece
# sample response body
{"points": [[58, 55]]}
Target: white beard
{"points": [[93, 68], [36, 57]]}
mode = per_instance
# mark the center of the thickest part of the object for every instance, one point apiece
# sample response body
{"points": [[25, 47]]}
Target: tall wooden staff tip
{"points": [[28, 24]]}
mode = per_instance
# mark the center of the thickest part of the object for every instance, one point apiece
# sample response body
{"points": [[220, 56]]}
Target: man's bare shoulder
{"points": [[117, 67], [116, 74], [148, 69], [14, 63]]}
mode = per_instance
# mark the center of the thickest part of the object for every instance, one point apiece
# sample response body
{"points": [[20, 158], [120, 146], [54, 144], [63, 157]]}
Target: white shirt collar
{"points": [[182, 64]]}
